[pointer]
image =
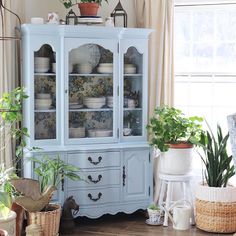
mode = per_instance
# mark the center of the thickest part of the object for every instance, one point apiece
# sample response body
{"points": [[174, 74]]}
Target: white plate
{"points": [[104, 70], [158, 223], [75, 106], [88, 53]]}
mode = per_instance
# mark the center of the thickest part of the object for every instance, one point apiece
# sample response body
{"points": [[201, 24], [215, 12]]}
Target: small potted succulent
{"points": [[174, 134], [154, 213], [87, 7]]}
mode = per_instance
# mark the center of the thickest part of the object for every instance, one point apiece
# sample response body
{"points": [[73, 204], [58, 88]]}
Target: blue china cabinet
{"points": [[88, 94]]}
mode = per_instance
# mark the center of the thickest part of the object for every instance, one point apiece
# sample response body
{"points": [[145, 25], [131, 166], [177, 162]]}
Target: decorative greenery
{"points": [[7, 191], [170, 126], [11, 116], [216, 159], [52, 171], [70, 3], [154, 207]]}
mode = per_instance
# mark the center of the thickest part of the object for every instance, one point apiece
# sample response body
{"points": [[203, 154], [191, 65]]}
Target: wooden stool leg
{"points": [[190, 196], [168, 202]]}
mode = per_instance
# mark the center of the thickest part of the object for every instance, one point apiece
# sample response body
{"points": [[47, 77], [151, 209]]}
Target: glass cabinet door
{"points": [[45, 122], [90, 92], [133, 93]]}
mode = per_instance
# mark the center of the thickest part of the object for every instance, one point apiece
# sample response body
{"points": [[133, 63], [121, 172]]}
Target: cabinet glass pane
{"points": [[133, 86], [45, 93], [90, 95]]}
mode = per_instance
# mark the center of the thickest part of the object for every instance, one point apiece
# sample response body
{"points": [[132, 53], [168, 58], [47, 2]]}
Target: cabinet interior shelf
{"points": [[90, 109], [132, 109], [132, 75], [41, 110], [91, 75], [44, 74]]}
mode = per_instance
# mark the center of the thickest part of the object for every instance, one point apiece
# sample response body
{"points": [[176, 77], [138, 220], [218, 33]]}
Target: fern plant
{"points": [[217, 161]]}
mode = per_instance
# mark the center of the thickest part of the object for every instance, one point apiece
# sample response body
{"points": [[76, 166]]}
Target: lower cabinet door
{"points": [[136, 175]]}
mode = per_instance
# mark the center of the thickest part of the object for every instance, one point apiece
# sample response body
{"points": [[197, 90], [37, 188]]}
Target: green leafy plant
{"points": [[170, 126], [7, 191], [154, 207], [52, 171], [11, 116], [70, 3], [217, 161]]}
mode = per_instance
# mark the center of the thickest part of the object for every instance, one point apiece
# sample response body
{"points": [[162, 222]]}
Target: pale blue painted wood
{"points": [[108, 194]]}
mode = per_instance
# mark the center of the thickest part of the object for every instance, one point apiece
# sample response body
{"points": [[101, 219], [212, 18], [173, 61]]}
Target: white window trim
{"points": [[202, 2]]}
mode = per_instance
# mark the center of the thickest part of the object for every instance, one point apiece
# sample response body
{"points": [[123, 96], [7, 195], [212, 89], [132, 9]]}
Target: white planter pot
{"points": [[176, 161], [9, 223], [154, 215]]}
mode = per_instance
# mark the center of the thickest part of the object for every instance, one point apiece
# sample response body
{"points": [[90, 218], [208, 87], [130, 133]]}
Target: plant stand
{"points": [[216, 209]]}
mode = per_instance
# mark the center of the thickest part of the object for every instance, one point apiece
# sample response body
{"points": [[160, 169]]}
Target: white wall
{"points": [[40, 8]]}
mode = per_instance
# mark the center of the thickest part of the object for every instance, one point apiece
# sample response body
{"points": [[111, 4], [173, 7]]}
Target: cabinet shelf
{"points": [[44, 74], [90, 110], [132, 109], [91, 75], [50, 110], [132, 75]]}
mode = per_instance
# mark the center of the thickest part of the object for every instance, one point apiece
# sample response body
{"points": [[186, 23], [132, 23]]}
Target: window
{"points": [[205, 61]]}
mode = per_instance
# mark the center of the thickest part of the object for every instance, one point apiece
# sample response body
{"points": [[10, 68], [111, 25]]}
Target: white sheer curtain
{"points": [[158, 15], [9, 67]]}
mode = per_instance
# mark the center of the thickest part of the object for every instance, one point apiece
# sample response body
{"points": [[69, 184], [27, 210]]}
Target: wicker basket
{"points": [[218, 214], [48, 220]]}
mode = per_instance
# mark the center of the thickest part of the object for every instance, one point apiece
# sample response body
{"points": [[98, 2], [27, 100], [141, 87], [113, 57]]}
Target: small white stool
{"points": [[167, 182]]}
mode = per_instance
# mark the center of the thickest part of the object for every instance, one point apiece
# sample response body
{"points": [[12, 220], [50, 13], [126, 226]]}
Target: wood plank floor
{"points": [[127, 225]]}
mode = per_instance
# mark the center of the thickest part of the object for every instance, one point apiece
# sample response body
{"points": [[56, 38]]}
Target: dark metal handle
{"points": [[95, 199], [124, 175], [95, 181], [95, 162], [62, 182]]}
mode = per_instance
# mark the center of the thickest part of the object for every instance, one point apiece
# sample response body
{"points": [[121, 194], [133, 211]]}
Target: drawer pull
{"points": [[94, 199], [95, 162], [95, 181]]}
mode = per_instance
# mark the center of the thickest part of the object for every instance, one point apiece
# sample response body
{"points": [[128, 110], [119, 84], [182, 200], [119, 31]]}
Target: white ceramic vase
{"points": [[9, 223]]}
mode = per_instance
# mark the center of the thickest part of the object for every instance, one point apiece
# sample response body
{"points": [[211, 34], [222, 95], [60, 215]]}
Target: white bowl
{"points": [[130, 70], [84, 68], [43, 95], [41, 60], [95, 105], [106, 65], [103, 133], [43, 102], [77, 132], [94, 99], [41, 69], [104, 70]]}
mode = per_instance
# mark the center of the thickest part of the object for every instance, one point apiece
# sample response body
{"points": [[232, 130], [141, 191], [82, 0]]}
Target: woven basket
{"points": [[48, 220], [214, 211]]}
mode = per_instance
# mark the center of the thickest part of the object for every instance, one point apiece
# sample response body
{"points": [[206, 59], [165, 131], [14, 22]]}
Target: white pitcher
{"points": [[181, 214]]}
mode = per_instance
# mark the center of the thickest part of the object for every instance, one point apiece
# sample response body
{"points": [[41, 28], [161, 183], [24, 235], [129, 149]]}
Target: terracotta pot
{"points": [[19, 217], [180, 145], [88, 9]]}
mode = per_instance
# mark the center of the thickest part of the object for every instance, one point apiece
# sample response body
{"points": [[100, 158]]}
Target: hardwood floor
{"points": [[127, 225]]}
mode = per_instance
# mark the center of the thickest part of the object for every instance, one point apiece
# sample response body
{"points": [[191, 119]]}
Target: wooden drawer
{"points": [[97, 178], [94, 159], [95, 196]]}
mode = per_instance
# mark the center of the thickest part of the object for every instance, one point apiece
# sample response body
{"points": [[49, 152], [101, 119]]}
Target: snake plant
{"points": [[217, 161]]}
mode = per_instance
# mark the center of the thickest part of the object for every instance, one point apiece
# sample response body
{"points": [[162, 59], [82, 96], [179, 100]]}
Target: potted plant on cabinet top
{"points": [[37, 195], [174, 134], [87, 7], [215, 198]]}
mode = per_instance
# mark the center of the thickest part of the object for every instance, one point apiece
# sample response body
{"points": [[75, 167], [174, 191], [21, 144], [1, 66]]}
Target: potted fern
{"points": [[36, 196], [215, 198], [173, 134], [87, 7]]}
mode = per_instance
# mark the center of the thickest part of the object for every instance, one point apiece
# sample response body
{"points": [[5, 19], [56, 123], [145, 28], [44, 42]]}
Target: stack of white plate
{"points": [[43, 103], [110, 101], [83, 68], [41, 64], [129, 69], [104, 68], [78, 132], [99, 133], [94, 103]]}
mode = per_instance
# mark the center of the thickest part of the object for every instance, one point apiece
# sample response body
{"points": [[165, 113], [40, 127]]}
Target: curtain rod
{"points": [[205, 4]]}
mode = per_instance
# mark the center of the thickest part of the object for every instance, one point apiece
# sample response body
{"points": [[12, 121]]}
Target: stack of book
{"points": [[90, 20]]}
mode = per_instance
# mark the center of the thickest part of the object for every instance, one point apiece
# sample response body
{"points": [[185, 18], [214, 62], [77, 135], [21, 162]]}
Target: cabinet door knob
{"points": [[95, 162], [95, 181], [94, 199]]}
